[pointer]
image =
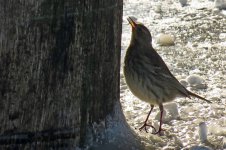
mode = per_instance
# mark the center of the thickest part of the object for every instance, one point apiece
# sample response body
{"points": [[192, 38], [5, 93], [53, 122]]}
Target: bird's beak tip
{"points": [[131, 22]]}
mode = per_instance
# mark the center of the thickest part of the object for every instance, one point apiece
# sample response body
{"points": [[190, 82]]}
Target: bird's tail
{"points": [[195, 95]]}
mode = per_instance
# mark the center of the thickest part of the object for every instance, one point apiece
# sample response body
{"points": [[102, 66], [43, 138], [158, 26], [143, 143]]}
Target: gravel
{"points": [[198, 58]]}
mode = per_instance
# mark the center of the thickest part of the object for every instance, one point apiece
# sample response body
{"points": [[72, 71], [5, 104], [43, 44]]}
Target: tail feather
{"points": [[195, 95]]}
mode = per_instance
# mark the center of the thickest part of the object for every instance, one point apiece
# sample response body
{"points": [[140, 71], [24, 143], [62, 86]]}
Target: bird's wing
{"points": [[161, 71]]}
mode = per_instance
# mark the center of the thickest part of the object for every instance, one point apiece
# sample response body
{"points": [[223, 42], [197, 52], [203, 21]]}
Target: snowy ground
{"points": [[199, 31]]}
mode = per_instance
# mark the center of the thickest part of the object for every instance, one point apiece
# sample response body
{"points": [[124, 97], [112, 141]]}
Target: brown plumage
{"points": [[147, 75]]}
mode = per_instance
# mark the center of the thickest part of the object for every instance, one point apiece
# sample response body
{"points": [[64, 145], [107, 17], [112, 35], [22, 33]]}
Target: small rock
{"points": [[202, 132], [172, 109], [181, 64], [221, 4], [158, 8], [214, 58], [165, 40], [196, 81], [195, 45], [216, 10], [183, 2], [224, 142], [222, 36]]}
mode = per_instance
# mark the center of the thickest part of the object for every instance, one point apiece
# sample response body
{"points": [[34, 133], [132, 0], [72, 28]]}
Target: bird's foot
{"points": [[145, 125], [159, 132]]}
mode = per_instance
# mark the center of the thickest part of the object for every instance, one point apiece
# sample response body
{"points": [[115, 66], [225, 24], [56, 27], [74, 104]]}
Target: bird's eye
{"points": [[139, 29]]}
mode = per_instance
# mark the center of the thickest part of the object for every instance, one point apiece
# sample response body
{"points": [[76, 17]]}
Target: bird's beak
{"points": [[132, 22]]}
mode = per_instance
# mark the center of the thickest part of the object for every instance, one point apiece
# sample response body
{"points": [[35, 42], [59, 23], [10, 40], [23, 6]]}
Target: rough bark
{"points": [[59, 73]]}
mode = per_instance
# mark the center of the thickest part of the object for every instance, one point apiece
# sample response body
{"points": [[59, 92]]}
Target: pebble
{"points": [[222, 36], [221, 4], [216, 11], [203, 132], [183, 2], [224, 142], [214, 58], [172, 109], [158, 8], [165, 40], [196, 81]]}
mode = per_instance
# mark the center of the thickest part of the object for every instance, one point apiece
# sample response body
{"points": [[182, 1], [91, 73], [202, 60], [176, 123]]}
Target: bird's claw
{"points": [[159, 131], [145, 125]]}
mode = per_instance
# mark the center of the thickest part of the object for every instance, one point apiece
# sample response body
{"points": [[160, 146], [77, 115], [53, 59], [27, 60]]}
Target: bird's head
{"points": [[140, 33]]}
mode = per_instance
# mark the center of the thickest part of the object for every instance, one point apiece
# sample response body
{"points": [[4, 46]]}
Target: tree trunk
{"points": [[59, 75]]}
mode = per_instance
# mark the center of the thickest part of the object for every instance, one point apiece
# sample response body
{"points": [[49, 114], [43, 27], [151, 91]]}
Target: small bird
{"points": [[147, 75]]}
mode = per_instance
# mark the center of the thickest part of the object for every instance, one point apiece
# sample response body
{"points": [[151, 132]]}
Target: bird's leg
{"points": [[145, 122], [160, 126]]}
